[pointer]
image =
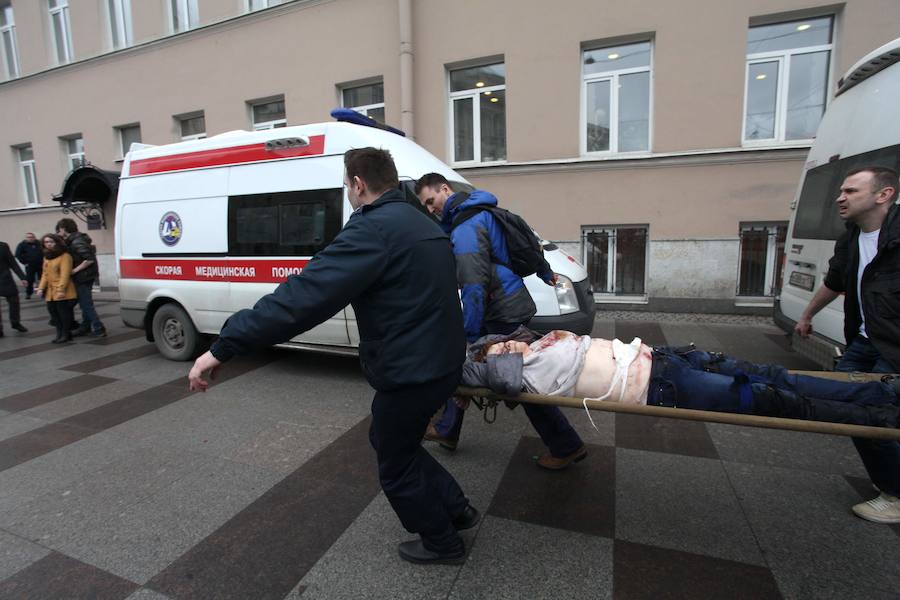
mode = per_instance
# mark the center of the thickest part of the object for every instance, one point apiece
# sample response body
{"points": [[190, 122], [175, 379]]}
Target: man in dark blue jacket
{"points": [[495, 300], [395, 267], [30, 254]]}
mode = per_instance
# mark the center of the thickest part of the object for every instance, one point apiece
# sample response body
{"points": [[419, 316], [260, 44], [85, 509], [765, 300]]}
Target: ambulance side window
{"points": [[283, 223]]}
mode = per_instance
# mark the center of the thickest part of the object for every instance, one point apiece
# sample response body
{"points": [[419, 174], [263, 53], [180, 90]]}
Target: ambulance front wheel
{"points": [[175, 334]]}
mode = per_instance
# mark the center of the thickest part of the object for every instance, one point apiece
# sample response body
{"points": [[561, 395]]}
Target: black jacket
{"points": [[395, 267], [29, 253], [880, 287], [8, 266], [81, 247]]}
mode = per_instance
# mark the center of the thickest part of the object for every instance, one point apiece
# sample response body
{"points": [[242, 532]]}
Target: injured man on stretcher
{"points": [[564, 364]]}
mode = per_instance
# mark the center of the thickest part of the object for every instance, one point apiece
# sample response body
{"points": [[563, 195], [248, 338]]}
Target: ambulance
{"points": [[206, 227]]}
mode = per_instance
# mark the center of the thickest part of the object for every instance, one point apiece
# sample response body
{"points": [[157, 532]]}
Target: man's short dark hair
{"points": [[432, 180], [882, 177], [374, 166], [67, 225]]}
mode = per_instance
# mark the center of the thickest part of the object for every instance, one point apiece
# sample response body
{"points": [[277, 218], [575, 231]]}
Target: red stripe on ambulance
{"points": [[226, 270], [220, 157]]}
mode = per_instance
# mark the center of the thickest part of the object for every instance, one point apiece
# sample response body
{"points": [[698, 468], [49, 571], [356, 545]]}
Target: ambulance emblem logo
{"points": [[170, 228]]}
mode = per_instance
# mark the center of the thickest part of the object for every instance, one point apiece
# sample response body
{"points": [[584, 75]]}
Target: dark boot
{"points": [[415, 551]]}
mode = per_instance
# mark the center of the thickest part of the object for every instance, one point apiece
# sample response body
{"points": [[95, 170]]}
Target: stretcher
{"points": [[487, 400]]}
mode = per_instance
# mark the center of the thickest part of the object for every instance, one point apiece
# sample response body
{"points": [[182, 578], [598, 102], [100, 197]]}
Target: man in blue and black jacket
{"points": [[395, 266], [495, 300]]}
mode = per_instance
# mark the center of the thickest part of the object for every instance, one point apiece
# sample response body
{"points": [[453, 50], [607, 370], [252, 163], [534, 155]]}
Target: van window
{"points": [[817, 215], [283, 223]]}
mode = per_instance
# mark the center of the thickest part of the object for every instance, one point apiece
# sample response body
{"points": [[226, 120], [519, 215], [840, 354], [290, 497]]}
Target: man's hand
{"points": [[206, 362], [804, 327], [550, 278]]}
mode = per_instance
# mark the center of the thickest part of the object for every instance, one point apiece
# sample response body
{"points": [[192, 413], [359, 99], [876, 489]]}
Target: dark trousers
{"points": [[89, 319], [548, 421], [424, 495], [62, 314], [14, 316], [32, 276], [880, 457], [709, 381]]}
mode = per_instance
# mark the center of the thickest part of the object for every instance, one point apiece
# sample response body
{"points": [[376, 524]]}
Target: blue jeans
{"points": [[709, 381], [89, 318], [548, 421], [880, 457]]}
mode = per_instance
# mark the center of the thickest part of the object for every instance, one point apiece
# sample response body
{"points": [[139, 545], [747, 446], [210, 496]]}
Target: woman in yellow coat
{"points": [[57, 287]]}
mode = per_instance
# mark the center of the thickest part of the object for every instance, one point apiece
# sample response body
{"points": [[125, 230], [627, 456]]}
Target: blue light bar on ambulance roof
{"points": [[348, 115]]}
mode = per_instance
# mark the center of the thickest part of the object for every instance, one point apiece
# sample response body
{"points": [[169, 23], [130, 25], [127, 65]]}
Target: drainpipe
{"points": [[406, 68]]}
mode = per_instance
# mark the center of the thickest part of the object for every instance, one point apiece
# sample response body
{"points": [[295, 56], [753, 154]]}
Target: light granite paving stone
{"points": [[788, 449], [141, 540], [18, 381], [284, 446], [806, 530], [825, 588], [511, 560], [13, 425], [145, 594], [682, 503], [16, 553], [84, 401], [154, 369]]}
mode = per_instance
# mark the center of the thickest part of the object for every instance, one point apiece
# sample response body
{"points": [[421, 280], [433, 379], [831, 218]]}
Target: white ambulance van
{"points": [[206, 227], [860, 127]]}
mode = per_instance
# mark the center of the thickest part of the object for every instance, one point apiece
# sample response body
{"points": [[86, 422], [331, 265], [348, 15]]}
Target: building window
{"points": [[762, 254], [8, 47], [615, 93], [788, 68], [185, 15], [119, 23], [62, 31], [478, 113], [268, 115], [260, 4], [74, 151], [128, 135], [193, 126], [29, 174], [365, 99], [616, 259]]}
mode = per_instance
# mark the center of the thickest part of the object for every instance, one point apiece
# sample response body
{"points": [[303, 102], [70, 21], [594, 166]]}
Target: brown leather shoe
{"points": [[432, 435], [548, 461]]}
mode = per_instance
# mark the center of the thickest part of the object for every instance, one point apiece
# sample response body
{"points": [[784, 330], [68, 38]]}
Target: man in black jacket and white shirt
{"points": [[395, 266], [866, 268]]}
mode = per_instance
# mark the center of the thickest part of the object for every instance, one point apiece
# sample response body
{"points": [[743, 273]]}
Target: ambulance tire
{"points": [[175, 334]]}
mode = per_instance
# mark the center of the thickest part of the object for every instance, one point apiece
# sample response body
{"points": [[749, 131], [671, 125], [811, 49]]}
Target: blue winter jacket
{"points": [[490, 290], [395, 266]]}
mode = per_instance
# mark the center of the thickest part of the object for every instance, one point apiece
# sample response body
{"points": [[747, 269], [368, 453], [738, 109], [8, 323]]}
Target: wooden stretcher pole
{"points": [[880, 433]]}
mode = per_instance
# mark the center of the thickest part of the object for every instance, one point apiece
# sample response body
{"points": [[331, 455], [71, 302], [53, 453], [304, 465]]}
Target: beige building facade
{"points": [[659, 142]]}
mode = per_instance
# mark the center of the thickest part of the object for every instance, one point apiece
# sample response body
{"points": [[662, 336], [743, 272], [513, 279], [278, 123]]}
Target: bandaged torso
{"points": [[564, 364]]}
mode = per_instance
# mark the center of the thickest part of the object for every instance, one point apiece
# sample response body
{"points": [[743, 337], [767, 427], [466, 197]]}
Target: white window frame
{"points": [[194, 136], [264, 125], [611, 231], [185, 12], [475, 93], [72, 157], [28, 170], [120, 23], [255, 5], [784, 59], [364, 108], [9, 30], [613, 78], [61, 9], [120, 129]]}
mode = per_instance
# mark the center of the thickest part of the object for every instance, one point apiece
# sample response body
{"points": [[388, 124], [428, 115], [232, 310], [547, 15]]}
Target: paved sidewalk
{"points": [[117, 482]]}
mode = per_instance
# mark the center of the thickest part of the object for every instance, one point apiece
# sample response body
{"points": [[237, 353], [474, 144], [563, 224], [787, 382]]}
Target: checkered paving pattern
{"points": [[117, 482]]}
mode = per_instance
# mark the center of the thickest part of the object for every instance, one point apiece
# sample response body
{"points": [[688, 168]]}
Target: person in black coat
{"points": [[29, 253], [395, 266], [8, 289]]}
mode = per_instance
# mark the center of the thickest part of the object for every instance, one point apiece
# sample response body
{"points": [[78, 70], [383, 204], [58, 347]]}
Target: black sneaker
{"points": [[100, 333], [20, 327], [415, 551], [80, 332]]}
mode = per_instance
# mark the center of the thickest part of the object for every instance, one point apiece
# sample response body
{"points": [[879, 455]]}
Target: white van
{"points": [[860, 127], [206, 227]]}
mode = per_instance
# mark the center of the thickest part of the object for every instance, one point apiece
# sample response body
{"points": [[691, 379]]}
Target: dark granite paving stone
{"points": [[673, 436], [759, 347], [127, 408], [52, 392], [865, 490], [642, 572], [45, 316], [118, 337], [264, 550], [580, 498], [58, 576], [96, 364], [37, 442], [20, 352], [650, 333]]}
